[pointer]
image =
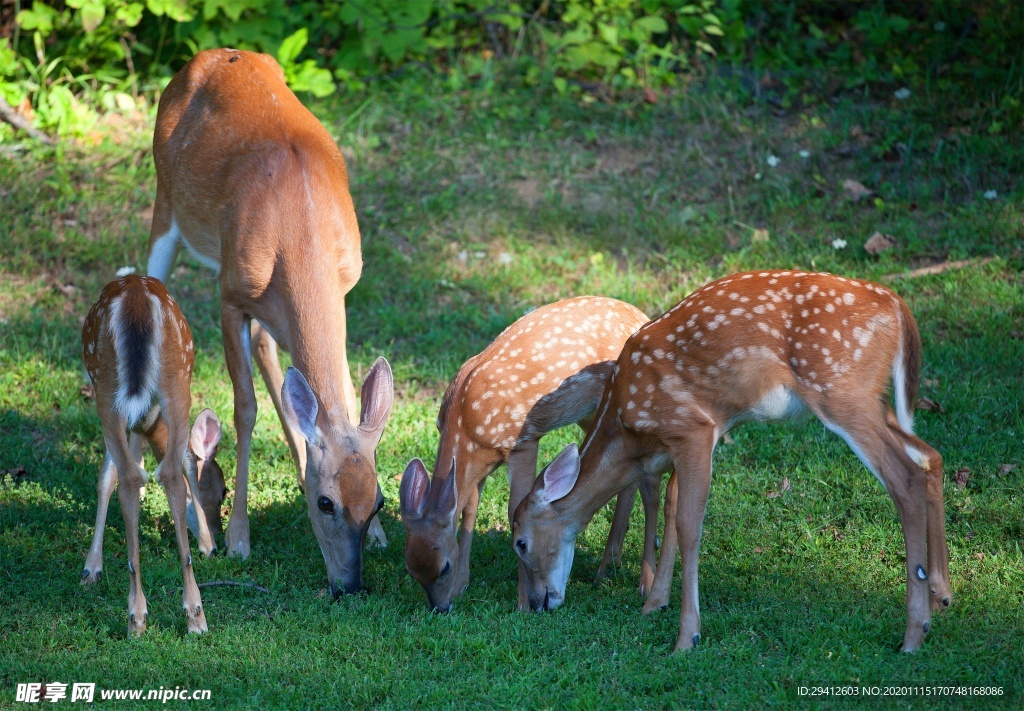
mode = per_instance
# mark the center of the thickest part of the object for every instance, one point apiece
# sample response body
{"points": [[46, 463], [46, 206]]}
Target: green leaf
{"points": [[292, 46], [609, 34], [92, 15], [311, 78], [177, 10], [652, 24], [40, 19], [714, 30], [130, 14], [591, 54]]}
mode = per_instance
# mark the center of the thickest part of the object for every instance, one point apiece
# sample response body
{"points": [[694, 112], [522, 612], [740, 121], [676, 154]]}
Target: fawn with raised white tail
{"points": [[254, 186], [545, 371], [760, 345], [138, 353]]}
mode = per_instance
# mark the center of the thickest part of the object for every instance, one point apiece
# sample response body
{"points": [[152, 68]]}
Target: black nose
{"points": [[443, 610]]}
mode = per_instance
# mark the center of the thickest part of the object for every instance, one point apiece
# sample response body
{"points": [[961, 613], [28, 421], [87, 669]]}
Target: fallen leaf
{"points": [[759, 550], [759, 235], [784, 486], [67, 289], [855, 191], [878, 243], [979, 556], [931, 382], [650, 95], [1005, 469], [961, 476], [88, 391], [926, 403]]}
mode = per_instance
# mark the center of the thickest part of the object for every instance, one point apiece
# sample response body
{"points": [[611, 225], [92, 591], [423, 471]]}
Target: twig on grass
{"points": [[938, 268], [8, 114]]}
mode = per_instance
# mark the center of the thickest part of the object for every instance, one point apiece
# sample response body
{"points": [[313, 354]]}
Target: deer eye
{"points": [[325, 505], [446, 569], [521, 545]]}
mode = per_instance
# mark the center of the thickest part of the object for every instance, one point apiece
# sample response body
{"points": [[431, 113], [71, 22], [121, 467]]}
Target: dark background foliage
{"points": [[61, 63]]}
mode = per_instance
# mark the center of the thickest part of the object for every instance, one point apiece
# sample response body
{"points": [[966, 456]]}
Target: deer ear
{"points": [[377, 395], [299, 404], [205, 435], [559, 477], [412, 494], [448, 496]]}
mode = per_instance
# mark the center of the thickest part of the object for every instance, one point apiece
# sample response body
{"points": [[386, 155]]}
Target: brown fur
{"points": [[745, 347], [256, 184]]}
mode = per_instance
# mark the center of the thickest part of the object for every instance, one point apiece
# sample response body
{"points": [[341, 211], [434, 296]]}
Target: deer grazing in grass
{"points": [[254, 186], [545, 371], [138, 353], [763, 346]]}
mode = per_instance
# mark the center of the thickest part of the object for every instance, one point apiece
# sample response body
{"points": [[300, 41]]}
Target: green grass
{"points": [[474, 206]]}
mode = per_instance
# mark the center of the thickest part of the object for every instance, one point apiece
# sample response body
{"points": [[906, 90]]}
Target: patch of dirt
{"points": [[528, 190]]}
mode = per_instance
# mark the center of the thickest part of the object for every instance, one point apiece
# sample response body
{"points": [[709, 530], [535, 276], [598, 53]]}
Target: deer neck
{"points": [[315, 312], [605, 468]]}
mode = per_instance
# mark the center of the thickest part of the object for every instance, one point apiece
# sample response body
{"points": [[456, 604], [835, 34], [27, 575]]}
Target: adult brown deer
{"points": [[760, 345], [545, 371], [138, 352], [254, 186]]}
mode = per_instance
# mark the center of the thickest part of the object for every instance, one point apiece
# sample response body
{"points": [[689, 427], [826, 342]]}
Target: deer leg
{"points": [[129, 479], [938, 552], [164, 237], [135, 445], [662, 585], [691, 456], [522, 470], [466, 539], [905, 481], [104, 490], [617, 534], [265, 354], [375, 535], [235, 327], [650, 494], [173, 480]]}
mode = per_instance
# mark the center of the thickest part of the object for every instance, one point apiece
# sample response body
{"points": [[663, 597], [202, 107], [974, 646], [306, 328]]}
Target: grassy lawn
{"points": [[476, 205]]}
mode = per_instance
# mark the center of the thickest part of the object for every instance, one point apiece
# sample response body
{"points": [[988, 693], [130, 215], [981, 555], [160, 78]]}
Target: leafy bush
{"points": [[66, 60]]}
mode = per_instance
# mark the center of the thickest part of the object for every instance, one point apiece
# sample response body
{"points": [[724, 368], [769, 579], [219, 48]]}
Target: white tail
{"points": [[545, 371], [138, 352], [137, 341], [254, 186], [760, 345]]}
